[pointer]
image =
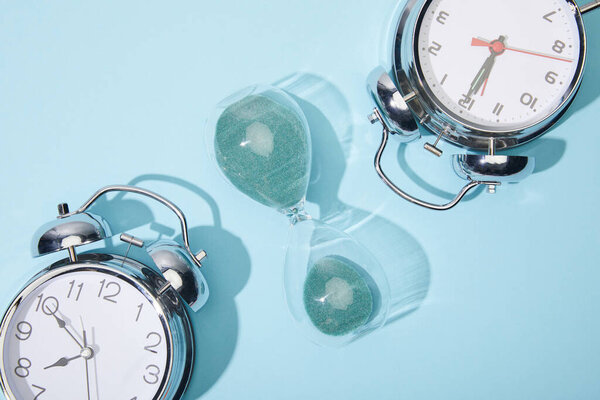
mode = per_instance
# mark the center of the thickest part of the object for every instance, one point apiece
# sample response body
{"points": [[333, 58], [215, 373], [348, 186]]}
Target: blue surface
{"points": [[95, 93]]}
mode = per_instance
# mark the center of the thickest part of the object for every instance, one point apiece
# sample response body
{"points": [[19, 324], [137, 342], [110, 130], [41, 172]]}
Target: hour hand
{"points": [[497, 47], [481, 77], [63, 325], [63, 362]]}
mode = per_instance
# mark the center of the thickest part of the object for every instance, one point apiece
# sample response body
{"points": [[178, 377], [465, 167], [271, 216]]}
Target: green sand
{"points": [[263, 149], [337, 299]]}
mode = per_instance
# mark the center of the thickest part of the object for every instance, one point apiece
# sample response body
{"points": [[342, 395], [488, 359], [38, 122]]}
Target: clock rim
{"points": [[173, 315], [436, 118]]}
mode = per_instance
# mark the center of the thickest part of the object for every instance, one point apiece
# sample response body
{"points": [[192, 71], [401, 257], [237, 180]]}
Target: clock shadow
{"points": [[226, 269], [546, 151], [428, 187], [216, 325]]}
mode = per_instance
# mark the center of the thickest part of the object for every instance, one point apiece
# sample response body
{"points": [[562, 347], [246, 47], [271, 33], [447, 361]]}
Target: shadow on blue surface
{"points": [[413, 176], [401, 256], [226, 270], [547, 152]]}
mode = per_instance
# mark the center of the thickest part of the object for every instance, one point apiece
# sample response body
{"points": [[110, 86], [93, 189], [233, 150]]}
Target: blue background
{"points": [[97, 93]]}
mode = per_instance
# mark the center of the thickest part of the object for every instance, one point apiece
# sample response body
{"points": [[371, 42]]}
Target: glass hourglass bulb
{"points": [[335, 288], [260, 144]]}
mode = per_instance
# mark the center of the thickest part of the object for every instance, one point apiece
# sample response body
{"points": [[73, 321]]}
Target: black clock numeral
{"points": [[547, 16], [151, 377], [444, 79], [41, 389], [442, 17], [49, 305], [466, 102], [71, 287], [107, 286], [434, 48], [22, 368], [498, 109], [559, 46], [140, 306], [151, 347], [527, 99], [24, 330], [551, 77]]}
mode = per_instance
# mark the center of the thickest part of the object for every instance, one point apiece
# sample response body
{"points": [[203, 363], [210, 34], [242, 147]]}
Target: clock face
{"points": [[499, 66], [85, 334]]}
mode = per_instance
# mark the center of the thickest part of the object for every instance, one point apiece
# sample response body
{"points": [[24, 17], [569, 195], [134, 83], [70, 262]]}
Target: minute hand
{"points": [[483, 42], [482, 75]]}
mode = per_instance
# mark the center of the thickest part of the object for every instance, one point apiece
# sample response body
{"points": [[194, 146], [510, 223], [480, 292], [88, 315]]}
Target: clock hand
{"points": [[482, 76], [484, 43], [95, 366], [62, 362], [87, 372], [63, 325]]}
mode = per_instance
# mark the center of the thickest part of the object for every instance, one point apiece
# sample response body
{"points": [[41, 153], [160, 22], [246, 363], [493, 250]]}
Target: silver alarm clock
{"points": [[482, 75], [103, 326]]}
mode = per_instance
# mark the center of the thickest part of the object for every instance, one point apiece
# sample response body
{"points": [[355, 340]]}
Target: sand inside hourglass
{"points": [[337, 298], [263, 149]]}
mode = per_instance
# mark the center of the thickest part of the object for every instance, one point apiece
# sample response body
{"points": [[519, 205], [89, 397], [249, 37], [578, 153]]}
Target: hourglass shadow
{"points": [[226, 269], [399, 253]]}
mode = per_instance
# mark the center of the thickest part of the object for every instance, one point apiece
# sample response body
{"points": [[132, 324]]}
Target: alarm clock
{"points": [[103, 326], [482, 75]]}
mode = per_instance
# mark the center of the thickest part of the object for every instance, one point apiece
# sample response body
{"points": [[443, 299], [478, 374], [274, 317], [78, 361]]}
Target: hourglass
{"points": [[335, 288]]}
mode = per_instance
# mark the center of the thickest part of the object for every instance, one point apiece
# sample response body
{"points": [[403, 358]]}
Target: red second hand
{"points": [[484, 86], [480, 42]]}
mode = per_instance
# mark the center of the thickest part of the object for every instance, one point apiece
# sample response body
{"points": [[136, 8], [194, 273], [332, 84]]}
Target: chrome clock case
{"points": [[404, 100], [170, 309], [173, 282]]}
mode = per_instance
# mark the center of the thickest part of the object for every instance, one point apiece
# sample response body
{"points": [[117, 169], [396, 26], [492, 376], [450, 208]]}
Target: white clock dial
{"points": [[499, 66], [85, 334]]}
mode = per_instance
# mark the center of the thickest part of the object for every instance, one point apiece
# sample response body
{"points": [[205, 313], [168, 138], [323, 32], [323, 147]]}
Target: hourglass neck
{"points": [[296, 213]]}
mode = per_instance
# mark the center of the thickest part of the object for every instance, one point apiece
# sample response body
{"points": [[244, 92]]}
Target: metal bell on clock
{"points": [[68, 233], [397, 118], [177, 264], [180, 270]]}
